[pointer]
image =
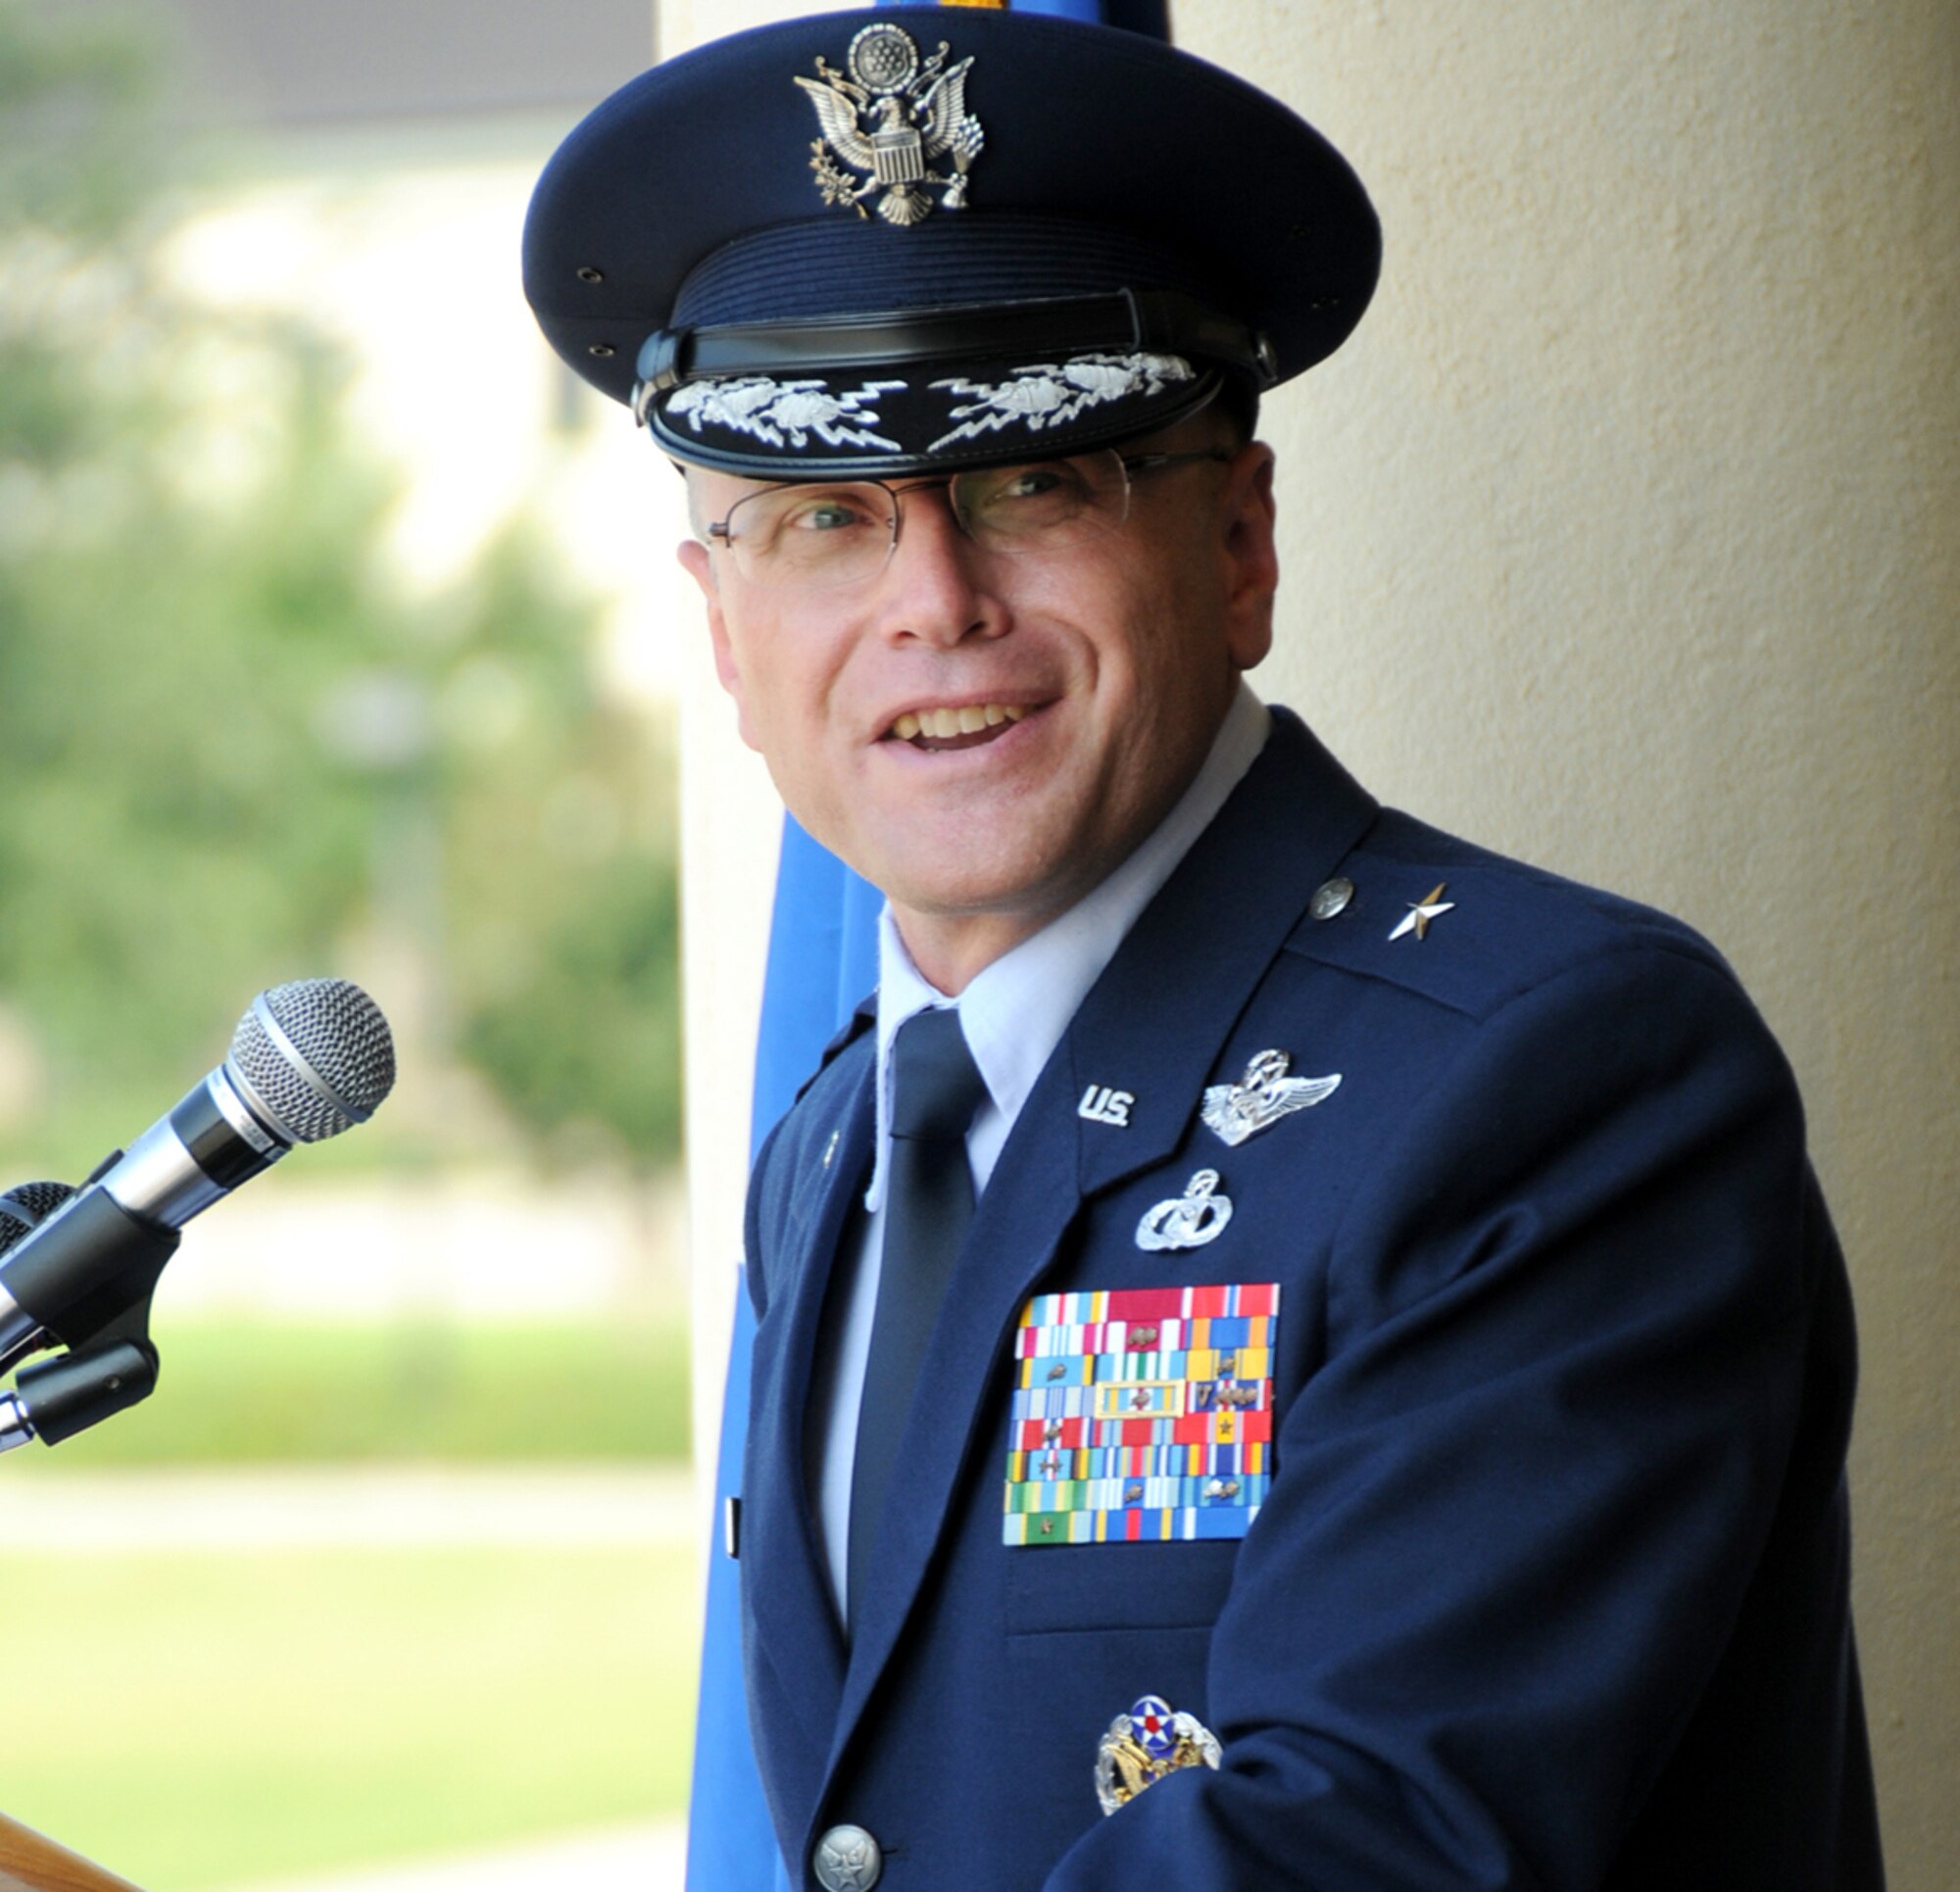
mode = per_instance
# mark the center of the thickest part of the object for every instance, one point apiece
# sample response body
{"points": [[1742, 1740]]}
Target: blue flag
{"points": [[823, 958]]}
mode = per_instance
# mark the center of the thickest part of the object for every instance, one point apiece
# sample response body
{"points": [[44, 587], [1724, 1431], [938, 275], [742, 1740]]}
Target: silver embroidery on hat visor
{"points": [[964, 415]]}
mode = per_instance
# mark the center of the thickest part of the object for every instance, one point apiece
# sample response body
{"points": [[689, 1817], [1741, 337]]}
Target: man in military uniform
{"points": [[1293, 1351]]}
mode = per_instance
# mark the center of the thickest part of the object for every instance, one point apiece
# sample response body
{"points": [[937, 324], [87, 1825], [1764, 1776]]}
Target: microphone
{"points": [[309, 1060], [24, 1205]]}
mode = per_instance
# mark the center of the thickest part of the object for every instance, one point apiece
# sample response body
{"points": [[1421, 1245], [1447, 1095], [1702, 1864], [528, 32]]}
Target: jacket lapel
{"points": [[783, 1572], [1157, 1019], [1154, 1023]]}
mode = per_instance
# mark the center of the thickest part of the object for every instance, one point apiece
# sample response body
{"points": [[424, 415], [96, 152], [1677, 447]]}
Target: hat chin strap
{"points": [[1161, 322]]}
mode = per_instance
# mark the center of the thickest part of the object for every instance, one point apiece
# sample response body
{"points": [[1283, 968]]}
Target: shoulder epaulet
{"points": [[1462, 926], [856, 1026]]}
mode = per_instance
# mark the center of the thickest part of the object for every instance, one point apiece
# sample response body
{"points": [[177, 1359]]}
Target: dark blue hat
{"points": [[885, 240]]}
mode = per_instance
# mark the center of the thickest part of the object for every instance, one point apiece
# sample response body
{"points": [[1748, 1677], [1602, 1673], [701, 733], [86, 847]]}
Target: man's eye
{"points": [[1032, 483], [825, 514]]}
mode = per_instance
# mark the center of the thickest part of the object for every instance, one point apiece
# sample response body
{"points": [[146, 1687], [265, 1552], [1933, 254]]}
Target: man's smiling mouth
{"points": [[962, 728]]}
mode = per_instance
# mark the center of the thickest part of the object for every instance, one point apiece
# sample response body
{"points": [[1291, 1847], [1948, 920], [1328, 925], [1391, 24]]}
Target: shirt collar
{"points": [[1015, 1010]]}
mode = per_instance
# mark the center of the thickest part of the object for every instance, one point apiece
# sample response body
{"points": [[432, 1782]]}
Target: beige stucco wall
{"points": [[1626, 536]]}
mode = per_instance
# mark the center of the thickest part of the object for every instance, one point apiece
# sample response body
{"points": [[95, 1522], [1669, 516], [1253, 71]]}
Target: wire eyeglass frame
{"points": [[1106, 509]]}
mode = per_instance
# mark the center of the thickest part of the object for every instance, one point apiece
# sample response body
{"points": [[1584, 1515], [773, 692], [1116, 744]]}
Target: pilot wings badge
{"points": [[893, 116], [1262, 1096]]}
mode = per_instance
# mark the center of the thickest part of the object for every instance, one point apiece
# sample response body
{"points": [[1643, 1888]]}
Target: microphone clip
{"points": [[60, 1292], [54, 1399]]}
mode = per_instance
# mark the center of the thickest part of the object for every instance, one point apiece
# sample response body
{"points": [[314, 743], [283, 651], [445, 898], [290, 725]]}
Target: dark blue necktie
{"points": [[936, 1088]]}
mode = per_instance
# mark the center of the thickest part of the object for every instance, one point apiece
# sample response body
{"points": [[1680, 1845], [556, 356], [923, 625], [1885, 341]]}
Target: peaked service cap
{"points": [[905, 238]]}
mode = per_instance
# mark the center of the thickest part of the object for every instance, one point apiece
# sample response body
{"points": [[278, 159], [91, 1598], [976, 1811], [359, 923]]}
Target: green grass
{"points": [[238, 1392], [195, 1720]]}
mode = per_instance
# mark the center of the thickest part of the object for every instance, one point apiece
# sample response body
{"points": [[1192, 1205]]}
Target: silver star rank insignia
{"points": [[1420, 913]]}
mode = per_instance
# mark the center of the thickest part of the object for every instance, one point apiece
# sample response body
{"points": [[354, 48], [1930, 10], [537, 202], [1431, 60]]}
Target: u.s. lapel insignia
{"points": [[1190, 1220], [1144, 1745], [1420, 913], [891, 117], [1262, 1096], [1102, 1106]]}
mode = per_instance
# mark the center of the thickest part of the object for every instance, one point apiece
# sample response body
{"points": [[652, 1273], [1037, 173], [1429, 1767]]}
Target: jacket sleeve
{"points": [[1518, 1502]]}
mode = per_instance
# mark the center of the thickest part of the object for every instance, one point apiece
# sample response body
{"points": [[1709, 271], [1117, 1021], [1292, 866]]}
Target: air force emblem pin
{"points": [[1262, 1096], [1142, 1746]]}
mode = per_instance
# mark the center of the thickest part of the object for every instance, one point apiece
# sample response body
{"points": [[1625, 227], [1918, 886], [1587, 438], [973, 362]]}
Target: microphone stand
{"points": [[54, 1399], [58, 1291], [110, 1363]]}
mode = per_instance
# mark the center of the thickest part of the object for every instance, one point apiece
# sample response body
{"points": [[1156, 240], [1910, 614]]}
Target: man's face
{"points": [[1114, 659]]}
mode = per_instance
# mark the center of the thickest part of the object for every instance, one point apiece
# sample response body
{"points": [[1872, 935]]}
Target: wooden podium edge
{"points": [[32, 1863]]}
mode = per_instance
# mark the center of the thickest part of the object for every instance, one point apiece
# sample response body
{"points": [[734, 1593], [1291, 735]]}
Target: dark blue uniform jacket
{"points": [[1550, 1585]]}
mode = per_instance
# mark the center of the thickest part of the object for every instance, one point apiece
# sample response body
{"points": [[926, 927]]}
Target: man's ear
{"points": [[696, 561], [1250, 553]]}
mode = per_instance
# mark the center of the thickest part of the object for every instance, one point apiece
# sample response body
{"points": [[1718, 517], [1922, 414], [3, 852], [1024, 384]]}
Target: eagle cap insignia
{"points": [[892, 115], [1263, 1095]]}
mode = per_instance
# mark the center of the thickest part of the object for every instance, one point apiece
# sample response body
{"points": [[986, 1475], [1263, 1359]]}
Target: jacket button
{"points": [[847, 1860], [1331, 898]]}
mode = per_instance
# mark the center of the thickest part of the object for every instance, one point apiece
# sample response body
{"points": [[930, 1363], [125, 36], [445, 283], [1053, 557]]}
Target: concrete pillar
{"points": [[1625, 536]]}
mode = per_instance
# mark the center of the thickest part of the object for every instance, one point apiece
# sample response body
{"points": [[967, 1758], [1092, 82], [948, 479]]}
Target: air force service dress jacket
{"points": [[1546, 1583]]}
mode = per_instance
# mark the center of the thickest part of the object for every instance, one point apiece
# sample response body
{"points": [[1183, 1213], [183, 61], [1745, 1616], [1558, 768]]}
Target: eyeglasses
{"points": [[843, 533]]}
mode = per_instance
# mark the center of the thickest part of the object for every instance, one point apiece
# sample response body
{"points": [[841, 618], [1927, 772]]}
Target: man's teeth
{"points": [[965, 721]]}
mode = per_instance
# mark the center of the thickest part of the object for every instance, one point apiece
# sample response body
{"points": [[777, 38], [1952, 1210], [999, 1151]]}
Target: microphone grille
{"points": [[25, 1207], [335, 1064], [39, 1200]]}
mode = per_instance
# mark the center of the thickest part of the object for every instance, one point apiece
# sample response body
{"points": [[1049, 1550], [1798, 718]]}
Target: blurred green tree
{"points": [[231, 742]]}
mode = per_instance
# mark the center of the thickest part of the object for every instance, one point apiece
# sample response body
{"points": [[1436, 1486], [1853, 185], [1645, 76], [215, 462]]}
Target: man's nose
{"points": [[938, 577]]}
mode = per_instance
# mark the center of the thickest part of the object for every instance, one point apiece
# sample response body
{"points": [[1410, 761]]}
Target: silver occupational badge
{"points": [[1262, 1096], [1146, 1744], [1193, 1219], [891, 117]]}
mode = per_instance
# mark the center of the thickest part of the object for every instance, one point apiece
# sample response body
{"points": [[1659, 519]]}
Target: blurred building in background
{"points": [[316, 540]]}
